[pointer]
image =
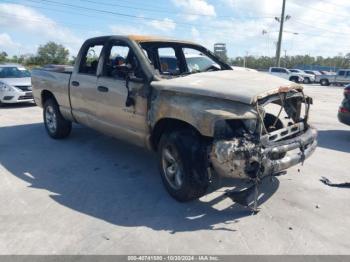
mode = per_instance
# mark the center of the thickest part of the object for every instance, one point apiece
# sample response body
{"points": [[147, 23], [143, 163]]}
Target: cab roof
{"points": [[150, 38]]}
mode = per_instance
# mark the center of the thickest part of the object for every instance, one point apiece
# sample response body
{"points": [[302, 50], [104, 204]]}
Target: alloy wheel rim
{"points": [[50, 119], [172, 167]]}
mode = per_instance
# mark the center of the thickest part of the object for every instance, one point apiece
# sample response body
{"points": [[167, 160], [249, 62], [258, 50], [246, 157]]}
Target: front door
{"points": [[115, 117]]}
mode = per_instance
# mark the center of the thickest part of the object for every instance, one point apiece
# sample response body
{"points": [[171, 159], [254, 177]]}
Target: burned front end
{"points": [[278, 138]]}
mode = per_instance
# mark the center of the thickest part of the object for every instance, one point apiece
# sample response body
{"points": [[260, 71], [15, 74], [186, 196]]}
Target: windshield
{"points": [[199, 64], [174, 59], [13, 72]]}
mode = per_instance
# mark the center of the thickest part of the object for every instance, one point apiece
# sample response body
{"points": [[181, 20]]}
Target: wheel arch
{"points": [[167, 124], [45, 95]]}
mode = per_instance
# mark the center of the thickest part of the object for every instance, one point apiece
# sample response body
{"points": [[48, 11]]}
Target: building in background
{"points": [[220, 50]]}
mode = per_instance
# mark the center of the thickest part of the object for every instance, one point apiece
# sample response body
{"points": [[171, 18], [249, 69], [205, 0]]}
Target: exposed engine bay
{"points": [[279, 138]]}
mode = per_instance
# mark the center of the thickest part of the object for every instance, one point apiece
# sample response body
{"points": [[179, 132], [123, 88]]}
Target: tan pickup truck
{"points": [[203, 118]]}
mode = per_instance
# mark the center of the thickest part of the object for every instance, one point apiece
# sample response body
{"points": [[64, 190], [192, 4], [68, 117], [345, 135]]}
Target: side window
{"points": [[169, 64], [348, 73], [197, 61], [284, 71], [117, 62], [89, 61], [274, 70], [341, 73]]}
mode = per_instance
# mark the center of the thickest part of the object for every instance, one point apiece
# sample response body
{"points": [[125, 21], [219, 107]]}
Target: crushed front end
{"points": [[279, 137]]}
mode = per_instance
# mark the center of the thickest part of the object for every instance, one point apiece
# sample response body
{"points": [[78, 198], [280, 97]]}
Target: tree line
{"points": [[264, 62], [50, 53], [54, 53]]}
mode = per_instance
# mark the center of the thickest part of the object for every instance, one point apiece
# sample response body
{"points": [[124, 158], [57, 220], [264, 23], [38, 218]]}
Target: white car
{"points": [[15, 84], [286, 74], [308, 78]]}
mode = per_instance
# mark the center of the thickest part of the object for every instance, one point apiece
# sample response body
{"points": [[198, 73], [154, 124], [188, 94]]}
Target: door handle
{"points": [[75, 83], [102, 89]]}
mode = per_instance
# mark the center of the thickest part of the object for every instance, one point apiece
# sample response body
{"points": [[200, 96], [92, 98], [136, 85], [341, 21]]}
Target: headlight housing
{"points": [[5, 87]]}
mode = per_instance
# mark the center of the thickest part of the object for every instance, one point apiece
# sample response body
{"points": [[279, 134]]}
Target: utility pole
{"points": [[285, 58], [245, 59], [279, 43]]}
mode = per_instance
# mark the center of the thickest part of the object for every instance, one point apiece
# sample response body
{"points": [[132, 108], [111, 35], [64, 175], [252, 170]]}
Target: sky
{"points": [[315, 27]]}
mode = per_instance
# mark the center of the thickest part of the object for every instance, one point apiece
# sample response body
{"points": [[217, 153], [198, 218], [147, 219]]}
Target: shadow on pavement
{"points": [[16, 105], [334, 139], [110, 180]]}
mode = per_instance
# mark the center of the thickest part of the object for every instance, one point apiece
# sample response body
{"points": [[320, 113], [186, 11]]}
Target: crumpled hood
{"points": [[22, 81], [241, 86]]}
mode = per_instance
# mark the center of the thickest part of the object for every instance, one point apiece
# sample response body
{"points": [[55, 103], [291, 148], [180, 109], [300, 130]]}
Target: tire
{"points": [[324, 82], [189, 165], [307, 80], [56, 126]]}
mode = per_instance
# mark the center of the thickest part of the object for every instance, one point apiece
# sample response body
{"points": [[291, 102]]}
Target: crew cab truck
{"points": [[203, 120], [342, 77], [286, 74]]}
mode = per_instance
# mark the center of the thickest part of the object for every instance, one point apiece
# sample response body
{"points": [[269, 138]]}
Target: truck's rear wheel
{"points": [[183, 165], [324, 82], [56, 126]]}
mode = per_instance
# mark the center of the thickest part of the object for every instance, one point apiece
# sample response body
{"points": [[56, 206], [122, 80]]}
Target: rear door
{"points": [[83, 83]]}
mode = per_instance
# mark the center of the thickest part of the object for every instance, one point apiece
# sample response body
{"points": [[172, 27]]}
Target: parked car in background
{"points": [[327, 72], [200, 116], [342, 77], [344, 109], [313, 72], [286, 74], [15, 84], [308, 78]]}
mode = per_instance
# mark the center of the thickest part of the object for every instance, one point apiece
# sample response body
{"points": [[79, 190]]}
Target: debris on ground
{"points": [[327, 182]]}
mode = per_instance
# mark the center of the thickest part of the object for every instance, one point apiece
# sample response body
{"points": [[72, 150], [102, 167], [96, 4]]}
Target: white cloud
{"points": [[28, 21], [323, 27], [7, 42], [153, 27], [194, 7], [163, 25]]}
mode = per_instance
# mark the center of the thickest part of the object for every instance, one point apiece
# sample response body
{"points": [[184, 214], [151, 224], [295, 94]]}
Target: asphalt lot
{"points": [[91, 194]]}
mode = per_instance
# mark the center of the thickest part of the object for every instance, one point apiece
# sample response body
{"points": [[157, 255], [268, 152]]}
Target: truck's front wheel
{"points": [[183, 165], [56, 126]]}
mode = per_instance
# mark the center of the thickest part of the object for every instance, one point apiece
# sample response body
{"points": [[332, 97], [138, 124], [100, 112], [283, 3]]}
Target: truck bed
{"points": [[55, 79]]}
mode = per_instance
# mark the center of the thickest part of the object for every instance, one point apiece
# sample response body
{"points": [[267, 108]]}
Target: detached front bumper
{"points": [[241, 158]]}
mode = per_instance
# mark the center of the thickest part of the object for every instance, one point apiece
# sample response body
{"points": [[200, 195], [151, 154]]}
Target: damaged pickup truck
{"points": [[176, 98]]}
